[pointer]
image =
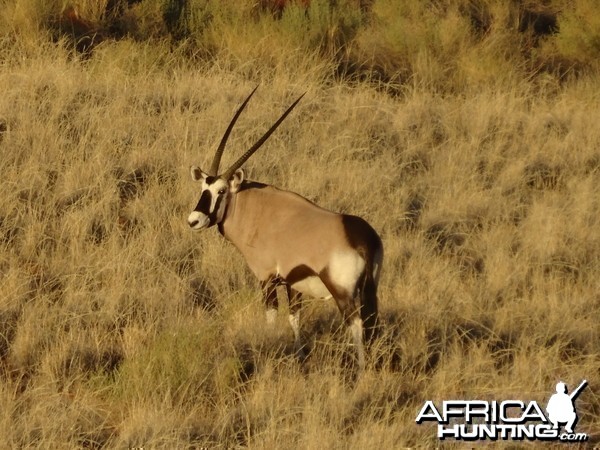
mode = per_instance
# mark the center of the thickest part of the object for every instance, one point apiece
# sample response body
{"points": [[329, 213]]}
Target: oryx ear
{"points": [[236, 180], [197, 173]]}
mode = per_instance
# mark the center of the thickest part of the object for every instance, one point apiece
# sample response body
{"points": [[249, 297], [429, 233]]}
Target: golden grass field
{"points": [[120, 328]]}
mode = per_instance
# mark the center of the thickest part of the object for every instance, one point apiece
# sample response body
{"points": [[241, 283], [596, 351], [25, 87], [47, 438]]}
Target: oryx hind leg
{"points": [[368, 307], [349, 304]]}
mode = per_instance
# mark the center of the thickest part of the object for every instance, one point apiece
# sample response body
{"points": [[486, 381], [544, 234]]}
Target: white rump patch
{"points": [[345, 269]]}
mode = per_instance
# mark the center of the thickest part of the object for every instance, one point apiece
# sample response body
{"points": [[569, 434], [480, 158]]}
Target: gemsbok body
{"points": [[288, 240]]}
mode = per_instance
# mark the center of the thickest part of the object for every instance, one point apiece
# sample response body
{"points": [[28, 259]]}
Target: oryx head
{"points": [[217, 189]]}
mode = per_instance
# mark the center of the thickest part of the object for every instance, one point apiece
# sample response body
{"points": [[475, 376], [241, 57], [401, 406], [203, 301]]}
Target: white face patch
{"points": [[198, 220]]}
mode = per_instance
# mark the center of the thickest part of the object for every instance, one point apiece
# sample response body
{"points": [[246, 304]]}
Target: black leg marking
{"points": [[269, 288]]}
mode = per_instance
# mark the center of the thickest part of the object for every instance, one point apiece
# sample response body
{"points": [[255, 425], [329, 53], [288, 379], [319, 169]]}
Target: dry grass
{"points": [[120, 328]]}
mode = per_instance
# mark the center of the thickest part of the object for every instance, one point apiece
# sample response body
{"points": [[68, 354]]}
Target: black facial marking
{"points": [[203, 205], [210, 179]]}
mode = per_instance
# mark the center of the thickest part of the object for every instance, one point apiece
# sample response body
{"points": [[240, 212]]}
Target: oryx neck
{"points": [[228, 215]]}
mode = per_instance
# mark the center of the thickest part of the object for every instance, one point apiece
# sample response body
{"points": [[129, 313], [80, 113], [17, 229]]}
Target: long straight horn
{"points": [[214, 169], [236, 165]]}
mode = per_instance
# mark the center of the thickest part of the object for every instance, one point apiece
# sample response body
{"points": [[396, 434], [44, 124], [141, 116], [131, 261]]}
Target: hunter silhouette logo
{"points": [[561, 406], [471, 420]]}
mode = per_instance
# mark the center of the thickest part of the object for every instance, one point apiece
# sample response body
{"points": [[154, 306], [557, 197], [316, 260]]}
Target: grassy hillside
{"points": [[465, 132]]}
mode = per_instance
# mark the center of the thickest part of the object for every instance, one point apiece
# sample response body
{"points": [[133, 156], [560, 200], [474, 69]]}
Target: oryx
{"points": [[288, 240]]}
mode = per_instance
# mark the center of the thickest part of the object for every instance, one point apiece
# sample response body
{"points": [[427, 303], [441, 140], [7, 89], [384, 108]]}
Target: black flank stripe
{"points": [[299, 273]]}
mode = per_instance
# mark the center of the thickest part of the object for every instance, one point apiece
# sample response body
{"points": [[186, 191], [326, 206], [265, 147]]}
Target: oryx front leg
{"points": [[295, 302], [269, 288]]}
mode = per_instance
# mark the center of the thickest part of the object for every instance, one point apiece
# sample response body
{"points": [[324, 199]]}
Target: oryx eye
{"points": [[222, 191]]}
